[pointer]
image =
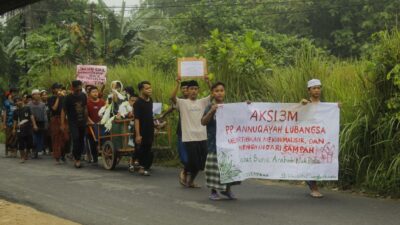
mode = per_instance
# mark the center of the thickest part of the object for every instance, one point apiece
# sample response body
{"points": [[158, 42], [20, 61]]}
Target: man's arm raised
{"points": [[207, 80], [175, 91]]}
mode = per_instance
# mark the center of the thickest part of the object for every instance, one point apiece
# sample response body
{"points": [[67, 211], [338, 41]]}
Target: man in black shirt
{"points": [[144, 127], [75, 109], [24, 121]]}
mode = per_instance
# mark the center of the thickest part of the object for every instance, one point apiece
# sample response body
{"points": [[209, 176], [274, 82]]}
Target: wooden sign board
{"points": [[192, 67]]}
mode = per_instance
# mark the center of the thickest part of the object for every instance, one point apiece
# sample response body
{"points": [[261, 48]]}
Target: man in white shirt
{"points": [[194, 135]]}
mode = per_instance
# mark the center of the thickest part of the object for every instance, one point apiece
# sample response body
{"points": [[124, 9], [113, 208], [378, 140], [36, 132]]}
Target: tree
{"points": [[10, 69]]}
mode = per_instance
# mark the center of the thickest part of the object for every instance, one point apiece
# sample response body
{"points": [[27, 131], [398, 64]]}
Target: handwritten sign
{"points": [[192, 67], [278, 141], [90, 74]]}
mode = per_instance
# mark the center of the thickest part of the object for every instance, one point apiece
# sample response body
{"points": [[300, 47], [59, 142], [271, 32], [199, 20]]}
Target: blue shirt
{"points": [[9, 108], [211, 132]]}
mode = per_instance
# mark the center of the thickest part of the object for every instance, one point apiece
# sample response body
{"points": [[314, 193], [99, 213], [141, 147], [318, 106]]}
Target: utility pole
{"points": [[122, 17], [104, 37], [89, 33], [24, 43]]}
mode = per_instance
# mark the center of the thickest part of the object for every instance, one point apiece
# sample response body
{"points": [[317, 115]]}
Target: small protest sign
{"points": [[91, 74], [157, 108], [192, 67]]}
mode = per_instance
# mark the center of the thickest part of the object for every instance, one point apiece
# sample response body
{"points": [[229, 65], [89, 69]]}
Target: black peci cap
{"points": [[56, 85], [192, 83]]}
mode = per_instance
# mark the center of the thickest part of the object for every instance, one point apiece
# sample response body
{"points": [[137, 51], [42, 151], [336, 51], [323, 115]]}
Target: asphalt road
{"points": [[94, 196]]}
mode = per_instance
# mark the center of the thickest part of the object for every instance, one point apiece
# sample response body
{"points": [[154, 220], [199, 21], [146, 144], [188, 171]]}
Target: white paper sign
{"points": [[278, 141], [90, 74], [192, 67], [157, 108]]}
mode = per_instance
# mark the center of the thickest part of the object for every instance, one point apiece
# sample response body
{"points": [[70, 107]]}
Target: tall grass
{"points": [[369, 139], [130, 75]]}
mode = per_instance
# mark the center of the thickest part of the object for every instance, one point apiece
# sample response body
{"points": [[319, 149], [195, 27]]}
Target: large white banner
{"points": [[282, 141]]}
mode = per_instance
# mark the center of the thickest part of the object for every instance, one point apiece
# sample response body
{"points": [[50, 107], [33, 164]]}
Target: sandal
{"points": [[131, 169], [182, 178], [214, 197], [193, 185], [228, 194], [78, 165], [146, 173], [136, 166], [316, 194]]}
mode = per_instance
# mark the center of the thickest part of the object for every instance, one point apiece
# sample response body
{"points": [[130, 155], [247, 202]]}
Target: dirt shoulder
{"points": [[15, 214]]}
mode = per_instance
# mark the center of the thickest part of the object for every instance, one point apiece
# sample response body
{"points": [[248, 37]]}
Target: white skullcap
{"points": [[35, 91], [313, 83]]}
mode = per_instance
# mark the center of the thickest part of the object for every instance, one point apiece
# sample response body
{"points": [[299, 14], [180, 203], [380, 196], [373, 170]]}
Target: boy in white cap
{"points": [[314, 90]]}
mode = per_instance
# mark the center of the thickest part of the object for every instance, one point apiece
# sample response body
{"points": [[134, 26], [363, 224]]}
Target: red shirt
{"points": [[94, 108]]}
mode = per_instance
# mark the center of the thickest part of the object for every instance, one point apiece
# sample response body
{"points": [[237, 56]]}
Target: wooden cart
{"points": [[115, 144]]}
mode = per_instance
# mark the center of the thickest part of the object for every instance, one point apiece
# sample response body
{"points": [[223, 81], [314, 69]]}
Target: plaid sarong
{"points": [[212, 173]]}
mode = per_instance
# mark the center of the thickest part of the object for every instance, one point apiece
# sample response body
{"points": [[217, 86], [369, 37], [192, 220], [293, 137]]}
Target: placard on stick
{"points": [[192, 67], [157, 108], [91, 74]]}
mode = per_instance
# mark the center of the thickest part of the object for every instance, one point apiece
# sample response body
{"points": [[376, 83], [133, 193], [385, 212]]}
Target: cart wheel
{"points": [[109, 155]]}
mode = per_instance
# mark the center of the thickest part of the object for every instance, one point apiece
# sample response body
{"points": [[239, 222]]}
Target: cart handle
{"points": [[122, 121]]}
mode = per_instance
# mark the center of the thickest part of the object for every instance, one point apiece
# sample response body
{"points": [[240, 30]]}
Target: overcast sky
{"points": [[119, 2]]}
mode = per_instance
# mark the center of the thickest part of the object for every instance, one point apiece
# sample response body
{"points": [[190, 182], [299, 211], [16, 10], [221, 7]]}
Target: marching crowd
{"points": [[36, 124]]}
